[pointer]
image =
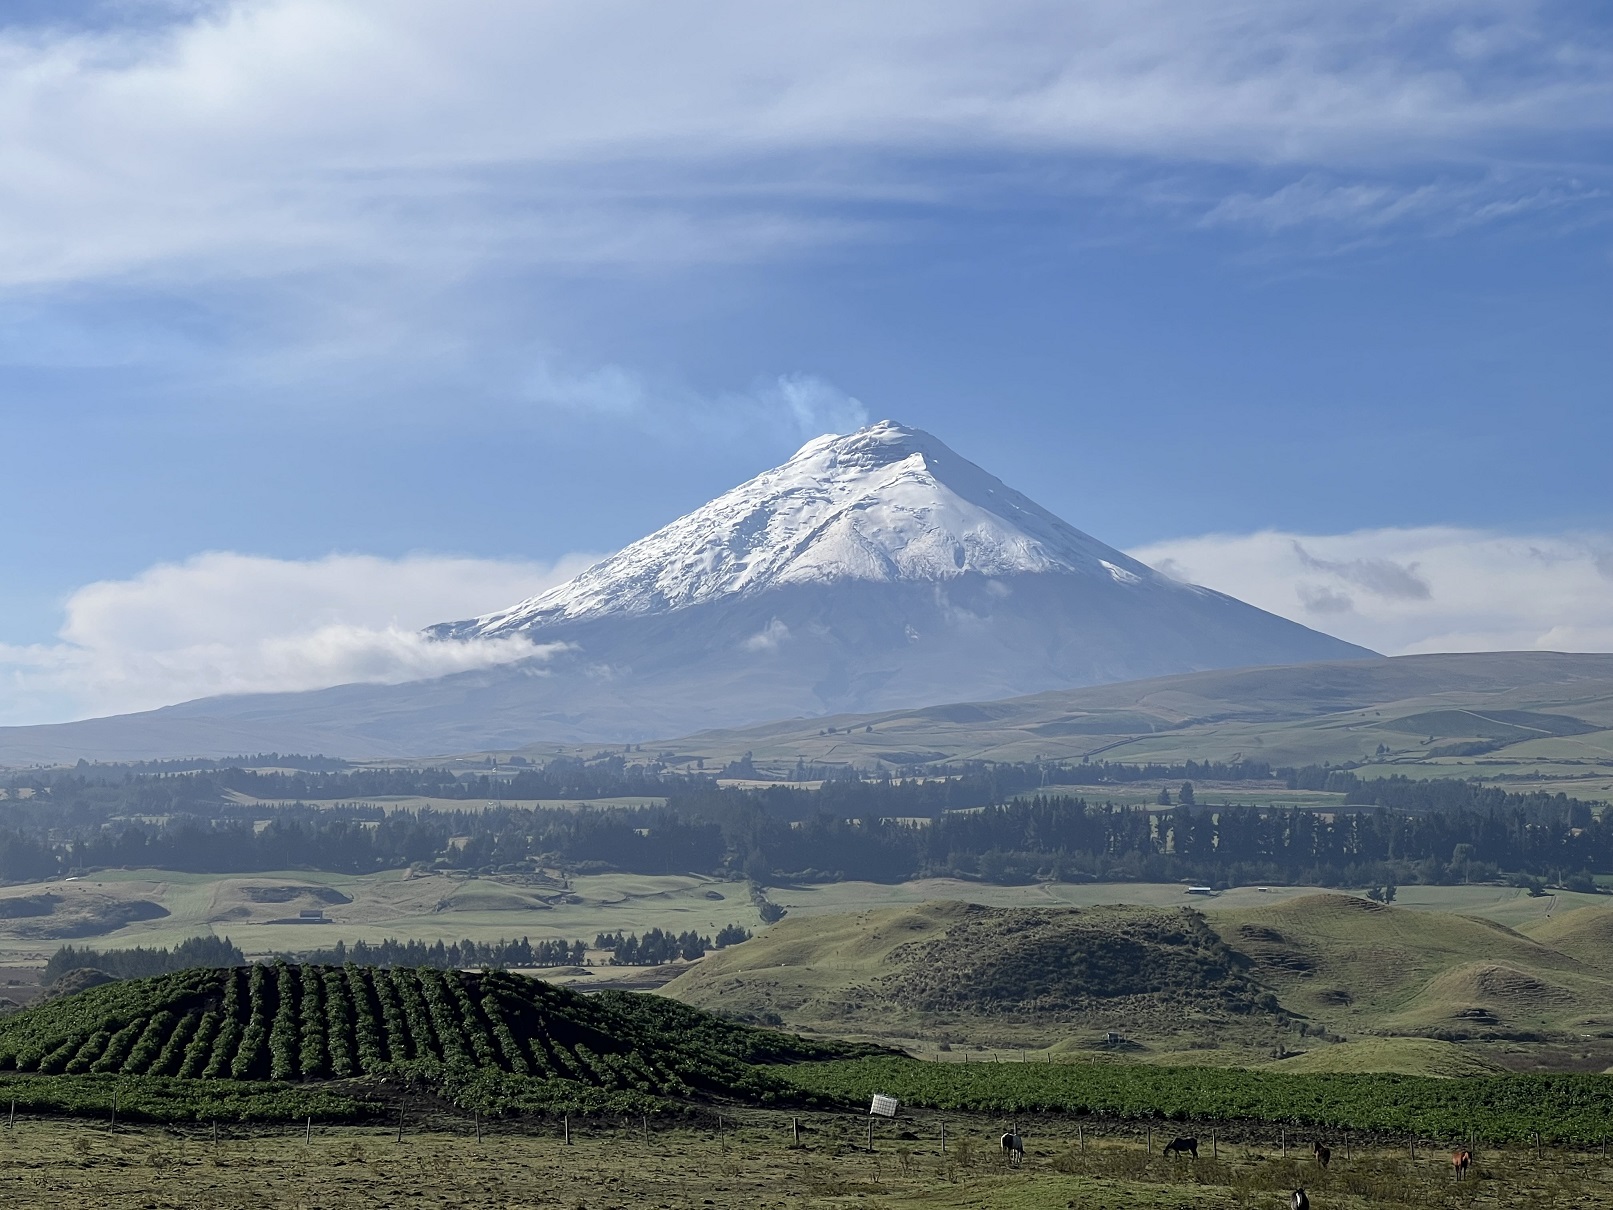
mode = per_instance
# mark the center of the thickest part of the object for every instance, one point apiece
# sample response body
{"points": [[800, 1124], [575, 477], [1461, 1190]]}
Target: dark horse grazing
{"points": [[1013, 1148], [1461, 1161], [1188, 1146], [1299, 1201], [1322, 1154]]}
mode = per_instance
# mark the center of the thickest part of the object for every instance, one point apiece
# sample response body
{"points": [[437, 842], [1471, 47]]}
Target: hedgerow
{"points": [[1505, 1108]]}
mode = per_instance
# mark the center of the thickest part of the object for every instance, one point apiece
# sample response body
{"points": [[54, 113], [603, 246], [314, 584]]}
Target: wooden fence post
{"points": [[478, 1127], [795, 1130], [114, 1109], [1215, 1148], [400, 1121], [308, 1130], [943, 1138], [1150, 1140], [1282, 1135], [568, 1128], [1081, 1138], [870, 1132]]}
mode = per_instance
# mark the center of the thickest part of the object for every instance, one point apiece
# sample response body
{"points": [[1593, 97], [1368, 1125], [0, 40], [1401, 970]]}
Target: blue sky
{"points": [[390, 308]]}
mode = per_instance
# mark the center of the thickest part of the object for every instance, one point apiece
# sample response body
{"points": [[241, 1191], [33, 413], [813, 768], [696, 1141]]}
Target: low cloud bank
{"points": [[232, 623], [1407, 591]]}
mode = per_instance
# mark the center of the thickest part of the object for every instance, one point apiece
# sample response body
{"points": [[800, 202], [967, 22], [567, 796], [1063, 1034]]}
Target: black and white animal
{"points": [[1183, 1146], [1014, 1148], [1299, 1201]]}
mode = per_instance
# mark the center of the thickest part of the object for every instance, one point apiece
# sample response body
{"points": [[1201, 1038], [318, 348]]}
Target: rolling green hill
{"points": [[1019, 975], [1229, 986], [1403, 1056]]}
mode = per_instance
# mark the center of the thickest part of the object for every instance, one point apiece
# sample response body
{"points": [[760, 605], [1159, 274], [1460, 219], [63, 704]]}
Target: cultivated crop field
{"points": [[753, 1163], [488, 1042], [1572, 1109]]}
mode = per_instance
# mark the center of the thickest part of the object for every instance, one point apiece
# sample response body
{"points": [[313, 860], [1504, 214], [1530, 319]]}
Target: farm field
{"points": [[416, 802], [752, 1165], [123, 908], [1508, 905], [1205, 794], [104, 908], [330, 1087], [372, 907]]}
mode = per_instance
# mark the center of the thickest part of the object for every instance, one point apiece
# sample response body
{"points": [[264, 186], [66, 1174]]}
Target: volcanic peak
{"points": [[883, 504]]}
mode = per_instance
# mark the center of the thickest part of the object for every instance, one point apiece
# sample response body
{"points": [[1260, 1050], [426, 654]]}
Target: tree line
{"points": [[992, 824], [658, 947]]}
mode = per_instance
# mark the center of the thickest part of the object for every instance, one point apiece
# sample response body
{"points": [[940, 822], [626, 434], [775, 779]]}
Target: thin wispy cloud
{"points": [[266, 136]]}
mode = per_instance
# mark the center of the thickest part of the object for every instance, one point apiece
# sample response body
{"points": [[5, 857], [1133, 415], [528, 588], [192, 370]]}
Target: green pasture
{"points": [[392, 903]]}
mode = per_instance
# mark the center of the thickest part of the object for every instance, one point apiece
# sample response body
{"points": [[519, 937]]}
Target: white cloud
{"points": [[1371, 207], [768, 638], [274, 135], [231, 623], [1404, 591]]}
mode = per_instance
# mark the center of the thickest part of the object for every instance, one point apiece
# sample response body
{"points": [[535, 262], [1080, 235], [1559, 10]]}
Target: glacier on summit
{"points": [[883, 504]]}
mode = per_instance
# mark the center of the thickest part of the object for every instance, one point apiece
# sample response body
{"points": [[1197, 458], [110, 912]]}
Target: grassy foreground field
{"points": [[753, 1164]]}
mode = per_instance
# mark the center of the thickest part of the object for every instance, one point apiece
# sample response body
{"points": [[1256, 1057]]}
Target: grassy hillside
{"points": [[302, 1023], [1236, 985], [1584, 933], [963, 971], [1530, 712], [1361, 966], [1404, 1056]]}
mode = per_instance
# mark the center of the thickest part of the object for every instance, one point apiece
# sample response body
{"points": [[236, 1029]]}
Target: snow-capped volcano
{"points": [[869, 572], [886, 503]]}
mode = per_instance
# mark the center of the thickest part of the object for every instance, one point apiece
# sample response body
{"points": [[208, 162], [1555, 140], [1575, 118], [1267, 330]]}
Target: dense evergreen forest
{"points": [[1000, 823]]}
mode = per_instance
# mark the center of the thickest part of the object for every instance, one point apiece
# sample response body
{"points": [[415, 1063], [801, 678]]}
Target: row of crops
{"points": [[1508, 1108], [284, 1022]]}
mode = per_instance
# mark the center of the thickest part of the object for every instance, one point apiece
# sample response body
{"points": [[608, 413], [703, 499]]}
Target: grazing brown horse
{"points": [[1461, 1161], [1299, 1201], [1322, 1154], [1183, 1146]]}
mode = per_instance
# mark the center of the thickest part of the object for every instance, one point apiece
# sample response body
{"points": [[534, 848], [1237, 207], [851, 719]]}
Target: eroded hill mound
{"points": [[288, 1022], [1064, 961], [901, 971]]}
